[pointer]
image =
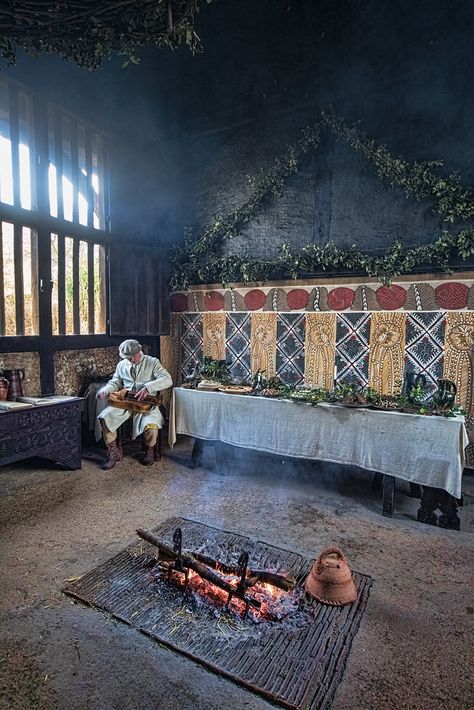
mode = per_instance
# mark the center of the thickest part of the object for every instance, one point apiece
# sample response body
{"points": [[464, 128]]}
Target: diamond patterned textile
{"points": [[238, 346], [191, 342], [424, 346], [290, 348], [352, 348]]}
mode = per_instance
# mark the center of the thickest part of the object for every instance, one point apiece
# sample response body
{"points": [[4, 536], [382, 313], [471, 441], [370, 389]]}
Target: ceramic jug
{"points": [[15, 379], [330, 580], [3, 388], [445, 395]]}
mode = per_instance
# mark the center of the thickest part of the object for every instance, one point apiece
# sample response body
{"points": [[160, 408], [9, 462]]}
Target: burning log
{"points": [[255, 576], [190, 562], [276, 580]]}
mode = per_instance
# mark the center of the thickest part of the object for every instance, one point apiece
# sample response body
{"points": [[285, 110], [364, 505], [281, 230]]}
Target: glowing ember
{"points": [[266, 594], [276, 603]]}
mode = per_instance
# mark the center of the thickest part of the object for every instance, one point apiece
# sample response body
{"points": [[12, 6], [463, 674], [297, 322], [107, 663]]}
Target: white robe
{"points": [[149, 373]]}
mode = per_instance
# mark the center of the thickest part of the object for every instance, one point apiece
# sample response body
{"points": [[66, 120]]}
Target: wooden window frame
{"points": [[40, 220], [44, 224]]}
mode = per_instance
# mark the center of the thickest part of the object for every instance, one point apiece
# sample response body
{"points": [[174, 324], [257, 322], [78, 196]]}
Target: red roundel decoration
{"points": [[254, 299], [340, 298], [213, 301], [297, 298], [391, 297], [179, 302], [452, 295]]}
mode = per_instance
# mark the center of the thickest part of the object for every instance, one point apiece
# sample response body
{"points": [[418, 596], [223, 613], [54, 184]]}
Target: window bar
{"points": [[101, 258], [100, 196], [75, 172], [19, 290], [90, 285], [42, 167], [61, 285], [76, 318], [34, 282], [2, 286], [89, 191], [34, 133], [105, 188], [58, 157], [15, 144]]}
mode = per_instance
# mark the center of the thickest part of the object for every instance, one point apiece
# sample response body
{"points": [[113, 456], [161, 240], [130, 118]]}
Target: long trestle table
{"points": [[420, 449]]}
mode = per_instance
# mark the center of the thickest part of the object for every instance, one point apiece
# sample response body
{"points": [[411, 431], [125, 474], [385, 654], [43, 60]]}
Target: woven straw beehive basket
{"points": [[330, 580]]}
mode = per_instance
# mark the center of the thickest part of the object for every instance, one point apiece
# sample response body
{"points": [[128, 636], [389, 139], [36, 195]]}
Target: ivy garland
{"points": [[87, 32], [198, 260]]}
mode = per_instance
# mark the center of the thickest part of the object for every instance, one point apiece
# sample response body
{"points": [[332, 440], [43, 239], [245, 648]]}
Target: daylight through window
{"points": [[75, 191]]}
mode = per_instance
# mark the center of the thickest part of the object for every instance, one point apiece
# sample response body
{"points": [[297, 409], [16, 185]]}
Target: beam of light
{"points": [[25, 176], [67, 198], [6, 171], [83, 209], [53, 191]]}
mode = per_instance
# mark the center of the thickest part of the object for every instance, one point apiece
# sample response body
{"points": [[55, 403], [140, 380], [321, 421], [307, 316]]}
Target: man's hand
{"points": [[101, 395], [141, 394]]}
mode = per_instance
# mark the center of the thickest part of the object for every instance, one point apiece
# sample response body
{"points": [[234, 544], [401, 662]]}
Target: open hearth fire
{"points": [[174, 582], [269, 596]]}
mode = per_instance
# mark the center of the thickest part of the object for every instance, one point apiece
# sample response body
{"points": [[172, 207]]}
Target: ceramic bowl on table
{"points": [[235, 389], [209, 385]]}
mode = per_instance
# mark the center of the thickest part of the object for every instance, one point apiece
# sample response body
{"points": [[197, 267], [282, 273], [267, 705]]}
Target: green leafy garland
{"points": [[89, 32], [198, 260]]}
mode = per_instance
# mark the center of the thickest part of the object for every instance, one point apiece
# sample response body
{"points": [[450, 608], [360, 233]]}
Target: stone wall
{"points": [[399, 71], [29, 362], [73, 367]]}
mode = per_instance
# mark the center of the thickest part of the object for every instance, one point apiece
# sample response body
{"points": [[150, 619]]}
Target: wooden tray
{"points": [[387, 409]]}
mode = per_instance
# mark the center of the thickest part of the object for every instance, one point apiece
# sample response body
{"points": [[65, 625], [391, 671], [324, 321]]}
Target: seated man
{"points": [[142, 375]]}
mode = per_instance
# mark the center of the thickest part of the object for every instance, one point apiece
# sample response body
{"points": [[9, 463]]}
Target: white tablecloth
{"points": [[422, 449]]}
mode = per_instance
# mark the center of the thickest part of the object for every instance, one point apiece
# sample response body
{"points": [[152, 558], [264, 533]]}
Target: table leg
{"points": [[416, 490], [377, 482], [388, 495], [224, 456], [434, 499], [428, 505], [196, 456], [448, 506]]}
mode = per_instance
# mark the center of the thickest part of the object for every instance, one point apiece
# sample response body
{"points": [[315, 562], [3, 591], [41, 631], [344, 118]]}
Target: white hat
{"points": [[129, 348]]}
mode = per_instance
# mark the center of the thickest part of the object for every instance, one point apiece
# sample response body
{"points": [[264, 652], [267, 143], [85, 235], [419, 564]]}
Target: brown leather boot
{"points": [[149, 456], [114, 455]]}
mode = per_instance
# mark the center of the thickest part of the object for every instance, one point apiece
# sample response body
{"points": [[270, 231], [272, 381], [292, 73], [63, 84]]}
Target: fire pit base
{"points": [[295, 658]]}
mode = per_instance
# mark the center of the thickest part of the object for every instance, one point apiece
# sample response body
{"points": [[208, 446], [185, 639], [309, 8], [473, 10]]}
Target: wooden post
{"points": [[388, 494]]}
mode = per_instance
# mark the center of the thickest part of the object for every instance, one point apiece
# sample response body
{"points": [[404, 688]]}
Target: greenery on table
{"points": [[199, 259], [88, 32], [455, 411], [417, 394], [310, 395], [216, 370], [346, 393], [354, 395]]}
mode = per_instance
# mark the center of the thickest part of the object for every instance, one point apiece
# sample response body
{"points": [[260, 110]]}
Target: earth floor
{"points": [[414, 647]]}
